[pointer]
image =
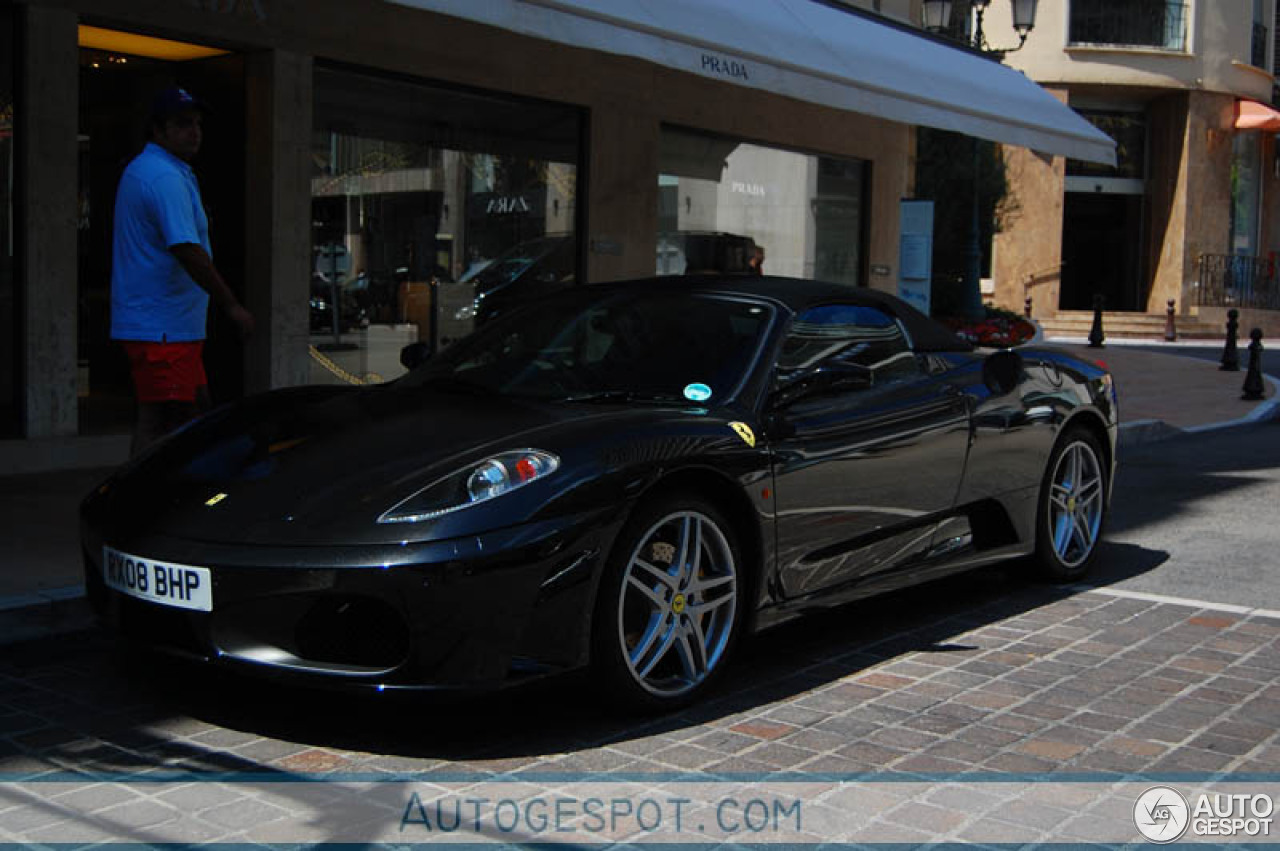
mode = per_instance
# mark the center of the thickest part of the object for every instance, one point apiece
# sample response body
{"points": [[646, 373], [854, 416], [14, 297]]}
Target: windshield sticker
{"points": [[697, 392], [744, 431]]}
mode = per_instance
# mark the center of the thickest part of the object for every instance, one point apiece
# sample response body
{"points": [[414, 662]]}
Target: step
{"points": [[1123, 325]]}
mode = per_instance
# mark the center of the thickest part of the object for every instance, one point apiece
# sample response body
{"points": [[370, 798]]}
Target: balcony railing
{"points": [[1146, 23], [1231, 280], [1258, 48]]}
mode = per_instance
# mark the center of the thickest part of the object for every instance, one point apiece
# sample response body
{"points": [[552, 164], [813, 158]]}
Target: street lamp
{"points": [[937, 18], [1024, 18], [937, 15]]}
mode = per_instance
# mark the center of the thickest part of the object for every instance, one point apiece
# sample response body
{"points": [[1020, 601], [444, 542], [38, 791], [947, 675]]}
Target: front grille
{"points": [[159, 626], [352, 630]]}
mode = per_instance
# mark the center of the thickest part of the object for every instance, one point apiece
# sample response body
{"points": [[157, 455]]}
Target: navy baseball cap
{"points": [[172, 101]]}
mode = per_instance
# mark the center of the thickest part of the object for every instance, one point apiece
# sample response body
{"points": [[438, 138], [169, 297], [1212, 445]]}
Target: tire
{"points": [[670, 606], [1071, 507]]}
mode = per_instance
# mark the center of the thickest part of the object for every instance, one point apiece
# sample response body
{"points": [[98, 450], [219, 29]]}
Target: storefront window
{"points": [[8, 235], [1245, 187], [721, 200], [432, 208]]}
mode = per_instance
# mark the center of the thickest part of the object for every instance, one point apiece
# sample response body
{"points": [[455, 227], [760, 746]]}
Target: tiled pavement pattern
{"points": [[981, 673]]}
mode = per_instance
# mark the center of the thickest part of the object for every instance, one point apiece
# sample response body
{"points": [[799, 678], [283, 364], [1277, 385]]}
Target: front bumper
{"points": [[457, 614]]}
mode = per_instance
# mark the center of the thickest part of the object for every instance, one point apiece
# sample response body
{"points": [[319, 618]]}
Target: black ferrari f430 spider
{"points": [[624, 476]]}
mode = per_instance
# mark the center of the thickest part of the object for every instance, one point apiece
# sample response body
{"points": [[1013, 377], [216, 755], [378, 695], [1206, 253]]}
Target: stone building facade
{"points": [[1165, 79], [376, 150]]}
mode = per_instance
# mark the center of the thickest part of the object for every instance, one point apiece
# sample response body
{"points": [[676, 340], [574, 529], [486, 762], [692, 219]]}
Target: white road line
{"points": [[1181, 601]]}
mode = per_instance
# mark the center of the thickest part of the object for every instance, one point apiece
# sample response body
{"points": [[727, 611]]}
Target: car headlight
{"points": [[489, 479]]}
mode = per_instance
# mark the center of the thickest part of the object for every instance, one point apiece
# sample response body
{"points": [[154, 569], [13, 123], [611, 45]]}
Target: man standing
{"points": [[162, 272]]}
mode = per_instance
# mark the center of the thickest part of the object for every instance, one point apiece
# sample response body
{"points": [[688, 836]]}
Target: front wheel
{"points": [[670, 604], [1072, 506]]}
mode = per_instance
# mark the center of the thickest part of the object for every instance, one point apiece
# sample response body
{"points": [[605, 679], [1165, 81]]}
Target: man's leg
{"points": [[152, 424], [163, 375]]}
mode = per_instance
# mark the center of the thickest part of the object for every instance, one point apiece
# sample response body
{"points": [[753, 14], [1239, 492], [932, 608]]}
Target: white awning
{"points": [[810, 51]]}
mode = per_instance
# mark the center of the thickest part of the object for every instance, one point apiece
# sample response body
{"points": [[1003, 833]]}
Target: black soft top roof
{"points": [[799, 294]]}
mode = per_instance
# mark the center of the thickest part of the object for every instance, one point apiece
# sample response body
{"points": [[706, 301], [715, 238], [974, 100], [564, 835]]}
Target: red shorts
{"points": [[166, 372]]}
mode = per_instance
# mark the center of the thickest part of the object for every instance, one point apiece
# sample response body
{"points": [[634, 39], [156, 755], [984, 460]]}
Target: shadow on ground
{"points": [[116, 709]]}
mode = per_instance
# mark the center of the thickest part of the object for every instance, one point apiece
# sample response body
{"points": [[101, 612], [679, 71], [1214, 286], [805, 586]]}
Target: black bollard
{"points": [[1096, 336], [1230, 354], [1253, 387], [1170, 330]]}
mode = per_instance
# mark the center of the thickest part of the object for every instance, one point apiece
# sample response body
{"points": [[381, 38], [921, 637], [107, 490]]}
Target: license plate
{"points": [[166, 583]]}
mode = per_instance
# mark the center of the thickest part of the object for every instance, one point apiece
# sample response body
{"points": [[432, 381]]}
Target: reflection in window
{"points": [[416, 191], [849, 336], [722, 202]]}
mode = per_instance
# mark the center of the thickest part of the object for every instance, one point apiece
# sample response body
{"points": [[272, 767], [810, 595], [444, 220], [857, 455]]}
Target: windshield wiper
{"points": [[621, 396], [449, 384]]}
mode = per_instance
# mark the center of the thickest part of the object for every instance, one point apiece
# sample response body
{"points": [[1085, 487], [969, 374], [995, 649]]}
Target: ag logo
{"points": [[1161, 814], [744, 431]]}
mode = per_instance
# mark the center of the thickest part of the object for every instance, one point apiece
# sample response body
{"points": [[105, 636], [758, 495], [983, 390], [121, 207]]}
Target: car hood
{"points": [[319, 465]]}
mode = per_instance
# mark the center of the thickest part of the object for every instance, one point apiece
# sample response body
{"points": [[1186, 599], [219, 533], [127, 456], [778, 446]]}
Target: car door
{"points": [[869, 449]]}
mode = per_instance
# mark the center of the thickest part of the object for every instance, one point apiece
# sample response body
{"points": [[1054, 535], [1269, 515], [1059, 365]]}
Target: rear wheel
{"points": [[1072, 505], [670, 604]]}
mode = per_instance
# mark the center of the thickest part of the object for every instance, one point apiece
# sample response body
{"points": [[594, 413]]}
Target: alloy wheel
{"points": [[677, 604], [1076, 503]]}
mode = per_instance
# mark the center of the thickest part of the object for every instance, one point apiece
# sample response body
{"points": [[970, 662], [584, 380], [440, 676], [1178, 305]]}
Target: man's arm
{"points": [[199, 265]]}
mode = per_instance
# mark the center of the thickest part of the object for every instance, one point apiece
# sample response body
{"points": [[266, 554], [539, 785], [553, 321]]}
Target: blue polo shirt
{"points": [[157, 206]]}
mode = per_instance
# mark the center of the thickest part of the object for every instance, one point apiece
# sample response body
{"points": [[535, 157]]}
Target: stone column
{"points": [[1189, 190], [47, 170], [1027, 253], [622, 193], [277, 216]]}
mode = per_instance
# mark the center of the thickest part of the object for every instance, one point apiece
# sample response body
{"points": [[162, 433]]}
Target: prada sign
{"points": [[256, 9], [724, 67]]}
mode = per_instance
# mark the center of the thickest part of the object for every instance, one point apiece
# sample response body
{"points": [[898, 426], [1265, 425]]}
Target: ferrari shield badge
{"points": [[744, 431]]}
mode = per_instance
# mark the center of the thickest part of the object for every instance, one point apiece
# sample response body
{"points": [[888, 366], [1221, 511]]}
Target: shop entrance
{"points": [[1101, 251], [120, 73]]}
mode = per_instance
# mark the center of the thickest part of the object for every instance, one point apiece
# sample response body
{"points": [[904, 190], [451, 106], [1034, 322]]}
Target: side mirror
{"points": [[1002, 371], [415, 355]]}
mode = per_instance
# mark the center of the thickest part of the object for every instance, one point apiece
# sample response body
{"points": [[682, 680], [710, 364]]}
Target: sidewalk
{"points": [[1167, 392], [1161, 394]]}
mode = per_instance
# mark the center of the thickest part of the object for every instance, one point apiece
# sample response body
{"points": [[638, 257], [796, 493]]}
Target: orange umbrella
{"points": [[1251, 115]]}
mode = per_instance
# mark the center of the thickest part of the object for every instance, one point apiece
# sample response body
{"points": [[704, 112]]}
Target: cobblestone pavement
{"points": [[1022, 684]]}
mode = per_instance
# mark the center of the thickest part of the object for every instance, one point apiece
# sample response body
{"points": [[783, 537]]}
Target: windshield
{"points": [[608, 345], [553, 256]]}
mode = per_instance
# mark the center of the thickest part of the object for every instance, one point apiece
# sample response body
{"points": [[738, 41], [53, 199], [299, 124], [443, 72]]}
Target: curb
{"points": [[1147, 431], [40, 597], [25, 617], [1187, 342]]}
